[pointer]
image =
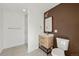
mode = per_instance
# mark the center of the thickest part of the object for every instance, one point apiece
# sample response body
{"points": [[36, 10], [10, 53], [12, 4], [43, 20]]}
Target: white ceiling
{"points": [[42, 6]]}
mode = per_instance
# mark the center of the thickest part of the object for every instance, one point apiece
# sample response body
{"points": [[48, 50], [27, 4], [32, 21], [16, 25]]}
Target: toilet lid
{"points": [[57, 52]]}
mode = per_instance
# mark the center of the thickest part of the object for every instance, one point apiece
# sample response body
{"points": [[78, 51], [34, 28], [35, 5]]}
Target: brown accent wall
{"points": [[66, 21]]}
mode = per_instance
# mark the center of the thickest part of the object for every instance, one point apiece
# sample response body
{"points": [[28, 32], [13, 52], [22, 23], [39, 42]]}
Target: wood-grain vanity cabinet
{"points": [[46, 43]]}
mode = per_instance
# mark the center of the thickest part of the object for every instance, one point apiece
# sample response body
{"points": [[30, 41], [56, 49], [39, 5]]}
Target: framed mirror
{"points": [[48, 25]]}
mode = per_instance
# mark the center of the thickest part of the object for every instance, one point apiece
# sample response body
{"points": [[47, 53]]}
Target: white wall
{"points": [[35, 18], [1, 29], [13, 28]]}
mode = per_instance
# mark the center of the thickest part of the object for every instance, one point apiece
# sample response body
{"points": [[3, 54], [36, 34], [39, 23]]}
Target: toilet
{"points": [[62, 45]]}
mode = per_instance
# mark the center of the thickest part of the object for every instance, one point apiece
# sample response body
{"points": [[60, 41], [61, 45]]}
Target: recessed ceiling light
{"points": [[24, 10]]}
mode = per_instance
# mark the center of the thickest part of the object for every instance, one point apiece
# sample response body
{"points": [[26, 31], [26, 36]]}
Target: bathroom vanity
{"points": [[46, 43]]}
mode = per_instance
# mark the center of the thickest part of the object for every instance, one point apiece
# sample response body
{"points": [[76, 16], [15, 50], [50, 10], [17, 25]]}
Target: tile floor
{"points": [[21, 51]]}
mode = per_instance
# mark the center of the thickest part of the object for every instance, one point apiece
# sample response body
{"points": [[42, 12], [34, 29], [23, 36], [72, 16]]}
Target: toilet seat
{"points": [[57, 52]]}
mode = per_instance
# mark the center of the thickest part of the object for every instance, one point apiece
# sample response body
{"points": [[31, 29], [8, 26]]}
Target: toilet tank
{"points": [[62, 43]]}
